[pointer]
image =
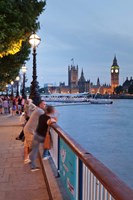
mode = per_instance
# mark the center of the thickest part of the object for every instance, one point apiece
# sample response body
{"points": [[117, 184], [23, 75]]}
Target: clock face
{"points": [[112, 70], [116, 70]]}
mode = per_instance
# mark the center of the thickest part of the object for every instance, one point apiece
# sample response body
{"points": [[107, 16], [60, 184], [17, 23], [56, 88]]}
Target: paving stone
{"points": [[16, 179]]}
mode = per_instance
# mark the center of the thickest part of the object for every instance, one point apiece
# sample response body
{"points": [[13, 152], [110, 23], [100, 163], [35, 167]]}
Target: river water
{"points": [[106, 131]]}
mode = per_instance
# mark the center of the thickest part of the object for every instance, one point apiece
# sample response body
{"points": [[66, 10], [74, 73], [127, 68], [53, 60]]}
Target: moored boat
{"points": [[82, 98], [100, 101]]}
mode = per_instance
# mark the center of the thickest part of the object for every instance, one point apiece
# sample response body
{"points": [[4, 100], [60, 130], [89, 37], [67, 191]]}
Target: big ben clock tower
{"points": [[114, 74]]}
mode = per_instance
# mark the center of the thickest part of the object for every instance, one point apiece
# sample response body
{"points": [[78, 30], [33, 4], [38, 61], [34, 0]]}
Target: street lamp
{"points": [[34, 41], [12, 88], [17, 80], [24, 69], [7, 89]]}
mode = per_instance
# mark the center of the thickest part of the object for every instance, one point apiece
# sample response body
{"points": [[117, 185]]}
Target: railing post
{"points": [[58, 162], [80, 180]]}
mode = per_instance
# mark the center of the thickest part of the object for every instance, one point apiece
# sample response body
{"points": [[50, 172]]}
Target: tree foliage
{"points": [[130, 89], [119, 89], [18, 20]]}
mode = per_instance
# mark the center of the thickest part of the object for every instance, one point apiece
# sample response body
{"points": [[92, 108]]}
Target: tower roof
{"points": [[115, 61], [82, 78]]}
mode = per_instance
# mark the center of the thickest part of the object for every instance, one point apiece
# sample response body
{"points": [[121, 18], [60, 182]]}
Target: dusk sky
{"points": [[91, 32]]}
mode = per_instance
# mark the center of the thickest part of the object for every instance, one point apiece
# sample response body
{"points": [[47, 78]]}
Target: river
{"points": [[106, 131]]}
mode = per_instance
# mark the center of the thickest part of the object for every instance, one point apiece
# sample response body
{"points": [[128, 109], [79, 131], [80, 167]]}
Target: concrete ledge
{"points": [[50, 176]]}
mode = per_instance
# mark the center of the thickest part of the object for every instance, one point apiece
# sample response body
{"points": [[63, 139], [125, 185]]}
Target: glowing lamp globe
{"points": [[34, 40]]}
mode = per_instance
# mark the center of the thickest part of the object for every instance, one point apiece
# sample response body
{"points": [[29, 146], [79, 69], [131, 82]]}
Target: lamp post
{"points": [[17, 80], [7, 89], [34, 41], [24, 69], [12, 88]]}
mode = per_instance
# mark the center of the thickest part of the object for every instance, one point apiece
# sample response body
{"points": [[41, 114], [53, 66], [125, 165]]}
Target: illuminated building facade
{"points": [[80, 85], [114, 74]]}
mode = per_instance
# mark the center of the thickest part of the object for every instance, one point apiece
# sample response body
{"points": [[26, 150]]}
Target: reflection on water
{"points": [[106, 131]]}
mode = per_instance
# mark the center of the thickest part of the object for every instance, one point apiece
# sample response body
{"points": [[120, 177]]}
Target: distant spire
{"points": [[72, 61], [82, 73], [82, 78], [98, 81], [115, 61]]}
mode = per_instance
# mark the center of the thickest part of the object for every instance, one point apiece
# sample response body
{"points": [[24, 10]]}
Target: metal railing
{"points": [[83, 176]]}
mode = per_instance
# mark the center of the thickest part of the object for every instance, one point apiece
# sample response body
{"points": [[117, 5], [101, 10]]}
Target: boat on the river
{"points": [[100, 101], [96, 100], [66, 98], [82, 98]]}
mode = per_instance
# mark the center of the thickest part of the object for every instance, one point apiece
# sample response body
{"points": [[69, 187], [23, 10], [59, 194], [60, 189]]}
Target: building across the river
{"points": [[78, 84]]}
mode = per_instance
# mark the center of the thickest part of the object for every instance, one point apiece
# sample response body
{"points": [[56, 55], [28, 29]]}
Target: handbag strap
{"points": [[48, 130]]}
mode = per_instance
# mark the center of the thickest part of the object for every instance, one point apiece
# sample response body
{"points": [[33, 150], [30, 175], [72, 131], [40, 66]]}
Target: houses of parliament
{"points": [[80, 85]]}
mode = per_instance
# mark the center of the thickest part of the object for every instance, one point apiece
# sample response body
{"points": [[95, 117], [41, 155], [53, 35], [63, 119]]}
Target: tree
{"points": [[18, 20], [11, 64], [130, 89], [119, 89]]}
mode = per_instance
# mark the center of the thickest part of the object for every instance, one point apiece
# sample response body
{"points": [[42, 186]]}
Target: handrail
{"points": [[116, 187]]}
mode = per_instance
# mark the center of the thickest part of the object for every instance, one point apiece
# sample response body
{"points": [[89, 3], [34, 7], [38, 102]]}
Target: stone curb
{"points": [[51, 178]]}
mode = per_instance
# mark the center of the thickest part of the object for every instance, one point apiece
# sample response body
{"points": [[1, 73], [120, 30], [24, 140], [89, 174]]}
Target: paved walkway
{"points": [[16, 179]]}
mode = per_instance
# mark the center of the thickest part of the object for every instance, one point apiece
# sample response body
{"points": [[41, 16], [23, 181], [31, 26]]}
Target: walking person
{"points": [[1, 105], [6, 105], [30, 127], [19, 105], [44, 121], [14, 107]]}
